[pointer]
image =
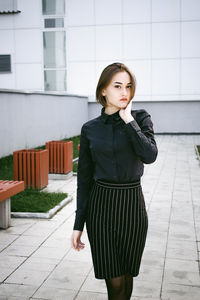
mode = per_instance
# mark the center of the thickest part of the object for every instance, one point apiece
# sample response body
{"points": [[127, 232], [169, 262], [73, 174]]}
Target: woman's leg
{"points": [[116, 288], [129, 285]]}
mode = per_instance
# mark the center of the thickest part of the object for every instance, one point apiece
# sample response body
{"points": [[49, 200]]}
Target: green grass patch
{"points": [[198, 148], [35, 201], [75, 167], [6, 168]]}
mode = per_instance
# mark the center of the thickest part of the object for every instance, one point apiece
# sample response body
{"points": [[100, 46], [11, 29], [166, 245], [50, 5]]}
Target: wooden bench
{"points": [[7, 190]]}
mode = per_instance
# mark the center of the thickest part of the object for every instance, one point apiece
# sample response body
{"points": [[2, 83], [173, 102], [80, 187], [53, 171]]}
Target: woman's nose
{"points": [[124, 92]]}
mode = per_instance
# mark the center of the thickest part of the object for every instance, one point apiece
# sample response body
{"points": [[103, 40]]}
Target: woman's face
{"points": [[118, 92]]}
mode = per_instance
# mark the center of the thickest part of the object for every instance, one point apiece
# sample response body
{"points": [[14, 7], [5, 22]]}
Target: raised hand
{"points": [[125, 113]]}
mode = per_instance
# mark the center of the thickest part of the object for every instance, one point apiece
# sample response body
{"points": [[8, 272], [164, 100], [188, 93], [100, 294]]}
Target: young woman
{"points": [[113, 148]]}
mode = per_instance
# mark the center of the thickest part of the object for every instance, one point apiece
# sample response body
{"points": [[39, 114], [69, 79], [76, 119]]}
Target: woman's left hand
{"points": [[125, 113]]}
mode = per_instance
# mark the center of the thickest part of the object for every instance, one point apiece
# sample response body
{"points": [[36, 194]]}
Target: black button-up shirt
{"points": [[114, 151]]}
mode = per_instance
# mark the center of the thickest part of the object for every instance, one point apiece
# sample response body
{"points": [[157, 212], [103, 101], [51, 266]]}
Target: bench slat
{"points": [[10, 188]]}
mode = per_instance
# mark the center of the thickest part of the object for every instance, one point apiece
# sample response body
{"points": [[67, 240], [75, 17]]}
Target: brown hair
{"points": [[106, 77]]}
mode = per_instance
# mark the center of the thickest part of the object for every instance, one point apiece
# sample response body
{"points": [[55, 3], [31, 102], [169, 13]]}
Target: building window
{"points": [[55, 80], [54, 23], [53, 7], [5, 63], [54, 49], [54, 45]]}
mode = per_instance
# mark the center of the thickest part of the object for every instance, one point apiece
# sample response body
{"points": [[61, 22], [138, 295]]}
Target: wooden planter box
{"points": [[60, 156], [31, 166]]}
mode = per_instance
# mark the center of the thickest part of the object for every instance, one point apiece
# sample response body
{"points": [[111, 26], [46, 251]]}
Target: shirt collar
{"points": [[110, 118]]}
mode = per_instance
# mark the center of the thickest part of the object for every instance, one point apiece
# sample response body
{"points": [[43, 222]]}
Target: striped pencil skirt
{"points": [[116, 224]]}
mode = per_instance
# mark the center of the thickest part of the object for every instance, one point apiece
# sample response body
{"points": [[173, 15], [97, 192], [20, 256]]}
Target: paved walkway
{"points": [[37, 262]]}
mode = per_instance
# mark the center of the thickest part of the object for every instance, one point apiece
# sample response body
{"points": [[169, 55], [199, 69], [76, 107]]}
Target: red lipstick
{"points": [[123, 99]]}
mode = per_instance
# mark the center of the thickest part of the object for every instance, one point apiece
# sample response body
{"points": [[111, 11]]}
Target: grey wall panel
{"points": [[29, 120], [167, 116]]}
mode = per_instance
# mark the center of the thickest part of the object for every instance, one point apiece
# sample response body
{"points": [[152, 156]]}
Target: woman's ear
{"points": [[103, 93]]}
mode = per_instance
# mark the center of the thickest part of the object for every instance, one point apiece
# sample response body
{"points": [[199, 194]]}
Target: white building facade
{"points": [[63, 45]]}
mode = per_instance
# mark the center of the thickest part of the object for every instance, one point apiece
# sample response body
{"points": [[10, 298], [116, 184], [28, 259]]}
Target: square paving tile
{"points": [[54, 293], [180, 292], [182, 249], [151, 261], [27, 277], [153, 251], [83, 255], [10, 261], [64, 281], [41, 260], [150, 274], [91, 296], [146, 289], [28, 240], [19, 250], [60, 242], [73, 268], [6, 238], [159, 226], [5, 272], [50, 252], [17, 290], [19, 226], [2, 247], [182, 232], [94, 285], [14, 298], [37, 266], [181, 272]]}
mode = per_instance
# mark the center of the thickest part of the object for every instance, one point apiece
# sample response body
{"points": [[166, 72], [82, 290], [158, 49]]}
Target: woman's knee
{"points": [[117, 284]]}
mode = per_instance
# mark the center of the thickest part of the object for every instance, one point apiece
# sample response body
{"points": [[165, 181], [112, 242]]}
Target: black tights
{"points": [[120, 288]]}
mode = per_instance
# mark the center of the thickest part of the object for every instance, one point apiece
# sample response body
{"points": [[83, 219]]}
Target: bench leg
{"points": [[5, 214]]}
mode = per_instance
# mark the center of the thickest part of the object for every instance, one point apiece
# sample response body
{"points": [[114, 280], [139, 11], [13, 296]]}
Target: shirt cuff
{"points": [[79, 223]]}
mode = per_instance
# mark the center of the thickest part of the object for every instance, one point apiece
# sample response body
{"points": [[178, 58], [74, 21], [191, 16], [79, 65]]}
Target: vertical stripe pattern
{"points": [[117, 225]]}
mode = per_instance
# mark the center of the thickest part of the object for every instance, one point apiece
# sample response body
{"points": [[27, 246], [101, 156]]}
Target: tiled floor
{"points": [[37, 261]]}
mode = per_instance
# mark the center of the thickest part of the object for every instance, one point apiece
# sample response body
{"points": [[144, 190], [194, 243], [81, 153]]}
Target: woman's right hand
{"points": [[76, 240]]}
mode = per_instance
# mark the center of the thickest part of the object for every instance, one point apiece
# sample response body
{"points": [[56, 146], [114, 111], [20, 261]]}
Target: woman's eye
{"points": [[119, 86]]}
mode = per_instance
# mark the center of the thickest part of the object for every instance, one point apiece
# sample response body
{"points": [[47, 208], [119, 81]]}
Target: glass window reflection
{"points": [[53, 7], [55, 80], [54, 23], [54, 45]]}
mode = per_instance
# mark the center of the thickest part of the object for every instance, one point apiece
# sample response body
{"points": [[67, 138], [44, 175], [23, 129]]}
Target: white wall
{"points": [[21, 36], [157, 39], [29, 120]]}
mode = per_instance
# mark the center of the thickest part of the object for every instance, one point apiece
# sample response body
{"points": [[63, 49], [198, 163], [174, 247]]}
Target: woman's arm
{"points": [[84, 181], [142, 137], [140, 133]]}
